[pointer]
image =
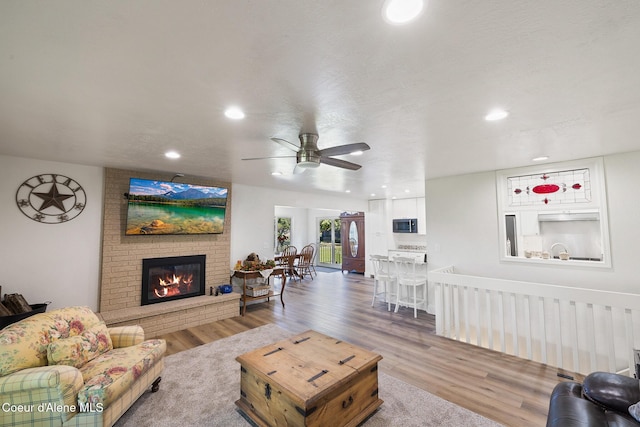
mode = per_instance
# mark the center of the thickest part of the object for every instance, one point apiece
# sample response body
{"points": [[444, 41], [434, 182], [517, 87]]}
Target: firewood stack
{"points": [[14, 304], [4, 311]]}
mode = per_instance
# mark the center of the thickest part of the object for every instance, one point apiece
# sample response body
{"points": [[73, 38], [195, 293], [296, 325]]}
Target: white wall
{"points": [[50, 262], [462, 229], [253, 211]]}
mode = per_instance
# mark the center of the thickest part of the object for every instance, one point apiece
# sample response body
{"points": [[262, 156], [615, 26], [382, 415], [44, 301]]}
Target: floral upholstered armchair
{"points": [[66, 367]]}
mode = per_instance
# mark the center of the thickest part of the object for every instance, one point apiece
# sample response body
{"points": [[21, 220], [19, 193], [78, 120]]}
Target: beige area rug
{"points": [[199, 387]]}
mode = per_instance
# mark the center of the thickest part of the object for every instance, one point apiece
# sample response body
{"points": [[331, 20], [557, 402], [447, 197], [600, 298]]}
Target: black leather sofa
{"points": [[602, 400]]}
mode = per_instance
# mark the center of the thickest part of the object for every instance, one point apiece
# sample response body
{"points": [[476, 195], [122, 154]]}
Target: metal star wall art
{"points": [[51, 198]]}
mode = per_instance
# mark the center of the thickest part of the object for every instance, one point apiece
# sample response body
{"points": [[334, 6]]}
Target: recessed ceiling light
{"points": [[401, 11], [540, 159], [234, 113], [407, 191], [172, 155], [496, 115], [348, 191], [276, 173], [357, 153], [383, 186], [373, 194]]}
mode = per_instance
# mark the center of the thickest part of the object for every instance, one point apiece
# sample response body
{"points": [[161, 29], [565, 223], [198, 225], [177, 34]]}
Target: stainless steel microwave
{"points": [[405, 225]]}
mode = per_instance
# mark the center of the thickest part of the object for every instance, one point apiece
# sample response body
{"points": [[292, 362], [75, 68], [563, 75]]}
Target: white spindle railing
{"points": [[581, 330]]}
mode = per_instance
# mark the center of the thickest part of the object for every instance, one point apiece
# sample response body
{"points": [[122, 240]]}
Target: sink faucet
{"points": [[559, 244]]}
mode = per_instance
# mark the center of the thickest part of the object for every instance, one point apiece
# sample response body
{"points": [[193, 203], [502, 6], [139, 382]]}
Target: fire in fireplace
{"points": [[171, 278]]}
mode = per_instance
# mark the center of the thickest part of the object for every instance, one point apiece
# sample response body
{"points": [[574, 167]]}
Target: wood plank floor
{"points": [[507, 389]]}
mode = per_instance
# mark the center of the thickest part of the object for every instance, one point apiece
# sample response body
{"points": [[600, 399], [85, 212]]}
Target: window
{"points": [[282, 233]]}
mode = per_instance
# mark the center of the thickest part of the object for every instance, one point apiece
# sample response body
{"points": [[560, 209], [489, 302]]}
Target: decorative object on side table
{"points": [[253, 263]]}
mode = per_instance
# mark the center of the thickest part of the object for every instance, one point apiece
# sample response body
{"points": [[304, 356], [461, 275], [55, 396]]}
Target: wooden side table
{"points": [[244, 275]]}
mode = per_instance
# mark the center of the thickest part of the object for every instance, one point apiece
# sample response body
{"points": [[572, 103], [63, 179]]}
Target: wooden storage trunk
{"points": [[309, 380]]}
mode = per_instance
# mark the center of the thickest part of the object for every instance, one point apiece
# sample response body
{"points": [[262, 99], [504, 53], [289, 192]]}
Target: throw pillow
{"points": [[79, 349], [634, 410]]}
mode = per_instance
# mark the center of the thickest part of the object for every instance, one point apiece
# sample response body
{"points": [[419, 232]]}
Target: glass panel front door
{"points": [[329, 245]]}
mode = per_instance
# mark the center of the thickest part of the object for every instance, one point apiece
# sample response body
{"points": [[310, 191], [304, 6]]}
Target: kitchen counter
{"points": [[420, 255]]}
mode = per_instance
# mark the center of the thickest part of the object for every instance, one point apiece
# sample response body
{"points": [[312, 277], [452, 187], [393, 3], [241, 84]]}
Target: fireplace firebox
{"points": [[172, 278]]}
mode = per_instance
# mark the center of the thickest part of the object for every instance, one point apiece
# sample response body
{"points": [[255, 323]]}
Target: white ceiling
{"points": [[117, 83]]}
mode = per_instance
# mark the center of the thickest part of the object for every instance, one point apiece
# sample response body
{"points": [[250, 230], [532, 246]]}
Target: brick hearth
{"points": [[158, 319]]}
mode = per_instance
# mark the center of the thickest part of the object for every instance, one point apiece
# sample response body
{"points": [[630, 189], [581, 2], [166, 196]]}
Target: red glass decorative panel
{"points": [[545, 188], [524, 190]]}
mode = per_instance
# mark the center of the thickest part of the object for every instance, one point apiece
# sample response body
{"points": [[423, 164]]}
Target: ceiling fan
{"points": [[309, 156]]}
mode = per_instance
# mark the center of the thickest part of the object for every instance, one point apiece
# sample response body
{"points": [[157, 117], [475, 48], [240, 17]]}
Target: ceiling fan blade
{"points": [[272, 157], [287, 144], [339, 163], [344, 149]]}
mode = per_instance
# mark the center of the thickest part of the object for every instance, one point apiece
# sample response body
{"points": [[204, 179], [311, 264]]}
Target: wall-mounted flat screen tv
{"points": [[161, 207]]}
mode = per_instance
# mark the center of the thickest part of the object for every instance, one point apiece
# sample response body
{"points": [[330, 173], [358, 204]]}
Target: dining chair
{"points": [[383, 274], [410, 281], [313, 258], [304, 261], [287, 260]]}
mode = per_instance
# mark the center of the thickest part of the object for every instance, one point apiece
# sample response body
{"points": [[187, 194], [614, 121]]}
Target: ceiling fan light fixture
{"points": [[307, 160], [401, 11], [308, 165], [356, 153]]}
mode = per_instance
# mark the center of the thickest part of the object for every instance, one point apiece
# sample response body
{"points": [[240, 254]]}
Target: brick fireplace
{"points": [[122, 264]]}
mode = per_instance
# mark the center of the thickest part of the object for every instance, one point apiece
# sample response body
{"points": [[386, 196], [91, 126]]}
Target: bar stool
{"points": [[409, 281], [383, 272]]}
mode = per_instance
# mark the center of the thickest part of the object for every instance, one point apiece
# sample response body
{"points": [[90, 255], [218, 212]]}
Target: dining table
{"points": [[289, 263]]}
